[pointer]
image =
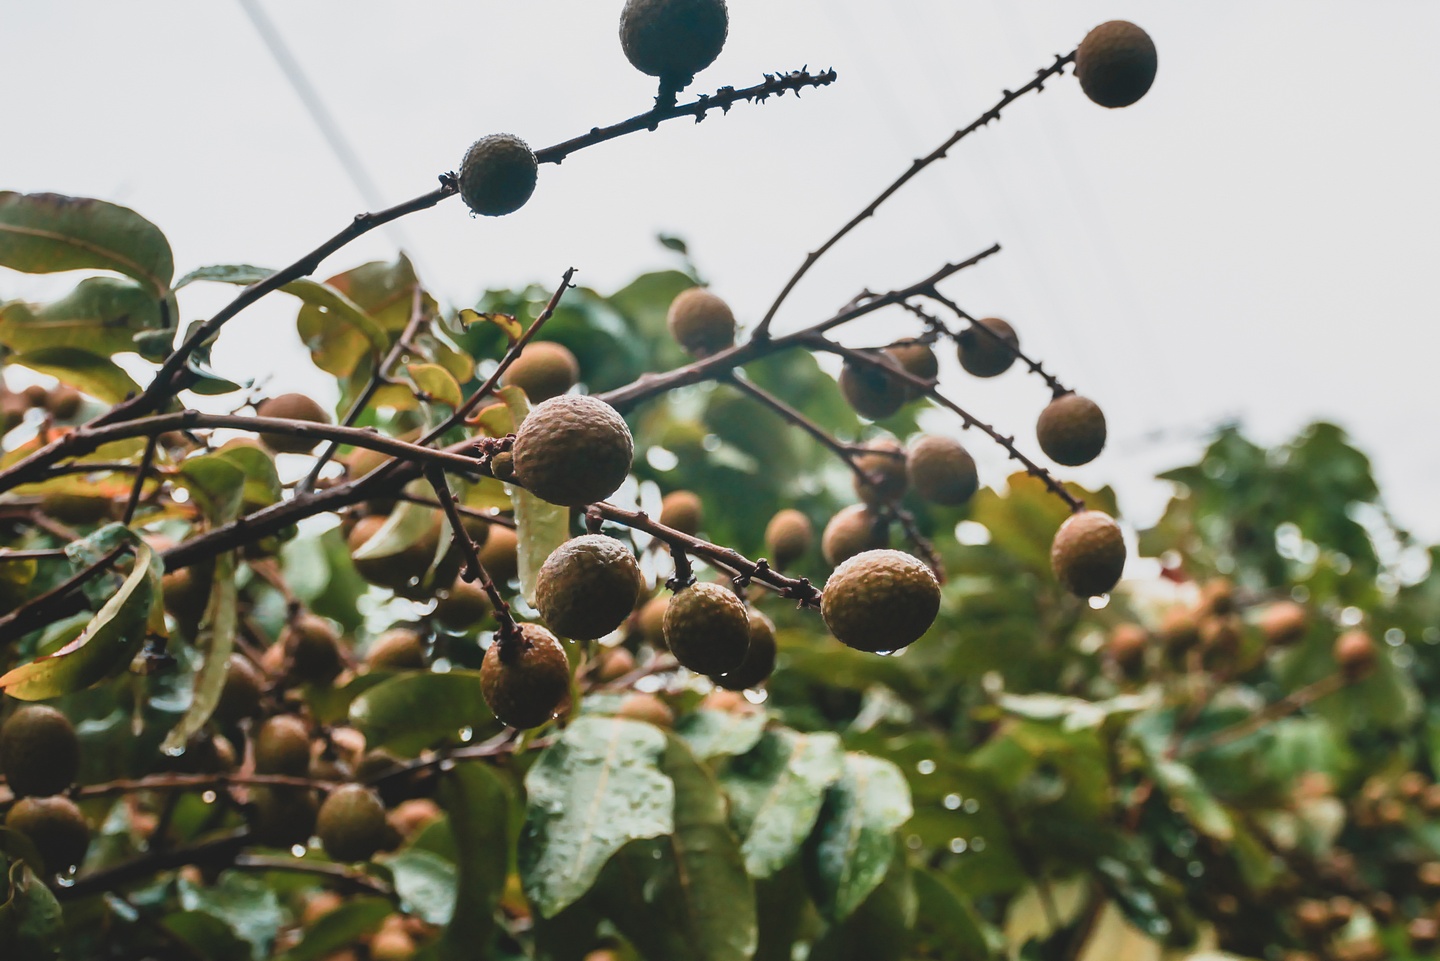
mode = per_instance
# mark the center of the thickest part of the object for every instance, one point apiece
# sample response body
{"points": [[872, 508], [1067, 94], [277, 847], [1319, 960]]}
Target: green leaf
{"points": [[97, 376], [426, 884], [436, 381], [775, 794], [262, 483], [217, 640], [854, 839], [946, 927], [207, 936], [540, 527], [247, 904], [44, 233], [30, 919], [684, 896], [100, 316], [405, 525], [879, 929], [351, 922], [414, 710], [1198, 804], [596, 788], [106, 645], [477, 801], [712, 734], [216, 483]]}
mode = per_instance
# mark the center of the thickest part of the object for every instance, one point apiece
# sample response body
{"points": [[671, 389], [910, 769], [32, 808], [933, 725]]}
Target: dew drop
{"points": [[926, 766], [1394, 637], [952, 802], [467, 734], [298, 850], [175, 751], [1351, 616], [957, 845], [1099, 602], [208, 797], [757, 697]]}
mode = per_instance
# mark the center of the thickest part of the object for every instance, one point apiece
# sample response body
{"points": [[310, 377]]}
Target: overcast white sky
{"points": [[1257, 238]]}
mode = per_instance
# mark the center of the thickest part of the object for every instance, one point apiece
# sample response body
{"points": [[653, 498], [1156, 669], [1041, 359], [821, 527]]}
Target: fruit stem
{"points": [[1036, 367], [473, 570], [147, 460]]}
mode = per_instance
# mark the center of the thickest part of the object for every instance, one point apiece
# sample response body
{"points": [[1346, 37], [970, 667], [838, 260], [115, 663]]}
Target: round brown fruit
{"points": [[63, 402], [314, 649], [1088, 553], [573, 450], [1355, 653], [34, 395], [700, 322], [1180, 628], [611, 663], [852, 530], [917, 359], [39, 751], [282, 817], [649, 621], [987, 347], [55, 827], [543, 370], [1071, 430], [872, 393], [647, 708], [683, 511], [1116, 63], [398, 649], [941, 470], [673, 39], [282, 746], [884, 465], [243, 691], [499, 554], [526, 679], [707, 628], [787, 537], [351, 823], [880, 600], [291, 407], [1217, 596], [1127, 646], [759, 660], [587, 587], [464, 605], [395, 571], [498, 175], [1283, 623]]}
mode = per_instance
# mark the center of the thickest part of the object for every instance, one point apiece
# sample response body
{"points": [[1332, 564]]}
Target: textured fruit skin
{"points": [[1116, 63], [787, 537], [1355, 653], [983, 355], [242, 692], [291, 407], [673, 39], [573, 450], [398, 649], [1088, 553], [587, 587], [39, 751], [886, 467], [1283, 623], [852, 530], [682, 510], [880, 600], [351, 823], [498, 554], [942, 470], [543, 370], [916, 358], [55, 826], [314, 649], [700, 322], [871, 392], [759, 660], [650, 619], [1071, 430], [465, 605], [282, 746], [282, 816], [498, 175], [527, 685], [707, 628]]}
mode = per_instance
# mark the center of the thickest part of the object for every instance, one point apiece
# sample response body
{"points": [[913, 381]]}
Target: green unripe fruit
{"points": [[990, 351], [498, 175], [502, 467], [398, 649], [314, 649], [673, 39], [872, 392], [787, 537], [1116, 63], [700, 322], [759, 660], [682, 510], [851, 531], [573, 450], [880, 601], [885, 468], [1071, 430], [526, 680], [351, 823], [942, 470], [499, 555], [707, 629], [243, 691], [282, 746], [39, 751], [543, 370], [587, 587], [1088, 553], [291, 407], [282, 817], [55, 827], [464, 605]]}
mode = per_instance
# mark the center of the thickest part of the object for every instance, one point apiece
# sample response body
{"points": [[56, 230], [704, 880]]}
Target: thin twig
{"points": [[763, 331], [345, 878], [215, 851], [146, 460], [508, 631], [1036, 367], [1289, 704]]}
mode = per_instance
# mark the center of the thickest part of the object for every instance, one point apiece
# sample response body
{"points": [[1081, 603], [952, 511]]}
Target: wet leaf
{"points": [[775, 794], [854, 838], [712, 734], [426, 883], [30, 918], [44, 233], [477, 801], [596, 788], [343, 926], [216, 640], [100, 316], [246, 903], [414, 710], [216, 483], [438, 382]]}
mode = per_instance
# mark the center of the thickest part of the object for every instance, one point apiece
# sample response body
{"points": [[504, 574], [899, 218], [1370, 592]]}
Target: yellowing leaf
{"points": [[507, 324], [436, 381]]}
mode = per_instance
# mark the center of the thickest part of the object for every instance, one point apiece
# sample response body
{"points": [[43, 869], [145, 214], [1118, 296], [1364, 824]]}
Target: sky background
{"points": [[1256, 239]]}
